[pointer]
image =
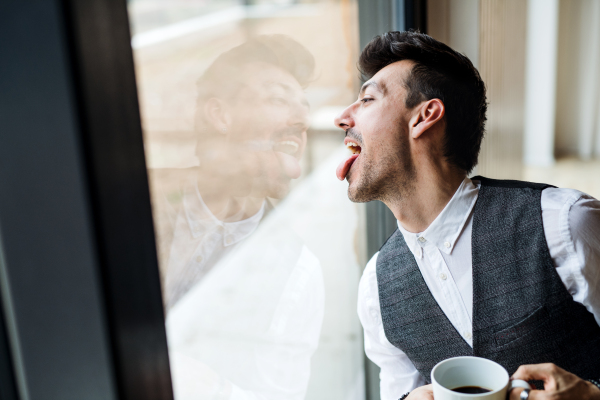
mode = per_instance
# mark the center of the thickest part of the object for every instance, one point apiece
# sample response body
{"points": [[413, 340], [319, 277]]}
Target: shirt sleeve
{"points": [[572, 228], [584, 224], [398, 375]]}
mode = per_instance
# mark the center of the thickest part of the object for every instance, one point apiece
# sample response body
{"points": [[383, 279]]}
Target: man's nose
{"points": [[300, 116], [344, 120]]}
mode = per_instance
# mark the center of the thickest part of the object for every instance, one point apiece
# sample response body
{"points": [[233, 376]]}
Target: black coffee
{"points": [[471, 389]]}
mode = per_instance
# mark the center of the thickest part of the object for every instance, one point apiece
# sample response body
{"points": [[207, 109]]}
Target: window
{"points": [[260, 250]]}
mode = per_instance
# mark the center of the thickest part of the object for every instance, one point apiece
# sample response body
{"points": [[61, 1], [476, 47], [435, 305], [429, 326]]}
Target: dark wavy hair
{"points": [[279, 50], [220, 78], [439, 73]]}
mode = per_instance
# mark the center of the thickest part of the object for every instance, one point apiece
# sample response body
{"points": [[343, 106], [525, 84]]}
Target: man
{"points": [[504, 270], [251, 120], [244, 296]]}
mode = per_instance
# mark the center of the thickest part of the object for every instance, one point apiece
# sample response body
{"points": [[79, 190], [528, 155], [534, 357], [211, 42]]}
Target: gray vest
{"points": [[522, 312]]}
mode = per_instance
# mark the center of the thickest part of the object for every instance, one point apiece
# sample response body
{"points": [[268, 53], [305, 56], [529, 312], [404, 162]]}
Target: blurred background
{"points": [[540, 60]]}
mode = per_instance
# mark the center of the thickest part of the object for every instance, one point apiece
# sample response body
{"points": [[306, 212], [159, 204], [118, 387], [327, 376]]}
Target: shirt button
{"points": [[447, 244], [443, 276], [468, 335], [422, 239], [199, 259], [228, 240]]}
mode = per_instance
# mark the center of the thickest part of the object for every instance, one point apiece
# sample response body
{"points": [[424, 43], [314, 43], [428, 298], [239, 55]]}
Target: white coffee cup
{"points": [[472, 371]]}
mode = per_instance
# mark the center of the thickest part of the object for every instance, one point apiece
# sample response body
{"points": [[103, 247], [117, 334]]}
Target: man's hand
{"points": [[558, 384], [421, 393]]}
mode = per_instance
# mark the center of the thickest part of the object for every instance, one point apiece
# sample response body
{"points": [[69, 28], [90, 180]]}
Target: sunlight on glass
{"points": [[259, 248]]}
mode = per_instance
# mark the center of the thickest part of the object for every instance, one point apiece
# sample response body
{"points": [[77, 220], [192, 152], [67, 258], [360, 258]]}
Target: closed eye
{"points": [[280, 101], [366, 99]]}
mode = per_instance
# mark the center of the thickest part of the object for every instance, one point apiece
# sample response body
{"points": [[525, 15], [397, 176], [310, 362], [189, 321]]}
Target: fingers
{"points": [[422, 393], [428, 388], [515, 394], [558, 383], [534, 371], [548, 373]]}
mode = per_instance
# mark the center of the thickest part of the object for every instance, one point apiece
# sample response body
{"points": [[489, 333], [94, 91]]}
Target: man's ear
{"points": [[428, 114], [218, 114]]}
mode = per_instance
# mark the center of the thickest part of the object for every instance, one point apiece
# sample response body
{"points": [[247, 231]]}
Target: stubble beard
{"points": [[388, 180]]}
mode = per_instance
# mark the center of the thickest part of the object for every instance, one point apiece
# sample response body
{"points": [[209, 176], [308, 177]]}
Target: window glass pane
{"points": [[260, 250]]}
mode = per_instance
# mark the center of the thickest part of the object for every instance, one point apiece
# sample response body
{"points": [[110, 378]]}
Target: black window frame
{"points": [[80, 280]]}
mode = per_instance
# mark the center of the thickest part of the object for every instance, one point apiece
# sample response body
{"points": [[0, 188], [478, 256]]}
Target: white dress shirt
{"points": [[245, 305], [199, 240], [571, 221]]}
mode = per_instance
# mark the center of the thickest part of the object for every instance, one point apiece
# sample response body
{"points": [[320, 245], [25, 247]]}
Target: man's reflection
{"points": [[244, 303]]}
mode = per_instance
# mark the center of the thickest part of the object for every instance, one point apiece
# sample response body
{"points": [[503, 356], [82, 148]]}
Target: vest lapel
{"points": [[522, 313], [412, 319]]}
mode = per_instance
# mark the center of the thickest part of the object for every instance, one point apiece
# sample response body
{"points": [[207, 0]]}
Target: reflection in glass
{"points": [[252, 228], [244, 323], [252, 117]]}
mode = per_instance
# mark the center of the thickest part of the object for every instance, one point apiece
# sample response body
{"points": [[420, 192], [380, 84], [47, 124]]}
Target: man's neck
{"points": [[231, 208], [418, 207]]}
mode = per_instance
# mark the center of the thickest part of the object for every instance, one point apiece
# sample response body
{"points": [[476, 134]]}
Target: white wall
{"points": [[540, 81], [578, 79], [456, 23]]}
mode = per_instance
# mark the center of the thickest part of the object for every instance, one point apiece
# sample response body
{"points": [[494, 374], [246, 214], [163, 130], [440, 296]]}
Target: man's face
{"points": [[267, 132], [377, 132]]}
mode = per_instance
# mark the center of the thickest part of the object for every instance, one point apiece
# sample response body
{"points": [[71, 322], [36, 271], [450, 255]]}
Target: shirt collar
{"points": [[445, 229], [201, 220]]}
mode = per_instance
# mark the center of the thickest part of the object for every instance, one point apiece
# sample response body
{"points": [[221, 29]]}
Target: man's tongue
{"points": [[344, 167], [289, 164]]}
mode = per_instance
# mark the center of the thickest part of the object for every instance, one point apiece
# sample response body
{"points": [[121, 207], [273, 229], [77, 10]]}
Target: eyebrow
{"points": [[287, 89], [377, 86]]}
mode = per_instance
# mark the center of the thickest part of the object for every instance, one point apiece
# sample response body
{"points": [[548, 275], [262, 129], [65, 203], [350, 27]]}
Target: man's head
{"points": [[253, 115], [422, 102]]}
